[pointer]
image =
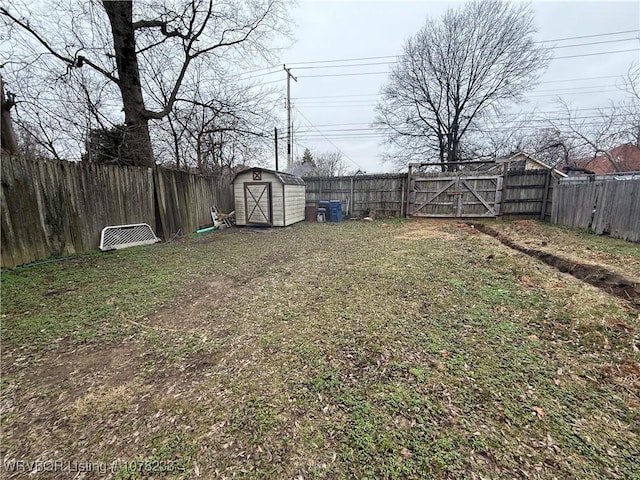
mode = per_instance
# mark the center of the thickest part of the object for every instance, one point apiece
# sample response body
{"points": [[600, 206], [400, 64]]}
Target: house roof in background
{"points": [[517, 161], [624, 158]]}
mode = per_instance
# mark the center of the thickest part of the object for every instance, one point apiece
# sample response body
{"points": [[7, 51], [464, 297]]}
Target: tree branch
{"points": [[71, 62]]}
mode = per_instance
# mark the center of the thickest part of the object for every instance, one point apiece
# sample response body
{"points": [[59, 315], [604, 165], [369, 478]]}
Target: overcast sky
{"points": [[333, 111]]}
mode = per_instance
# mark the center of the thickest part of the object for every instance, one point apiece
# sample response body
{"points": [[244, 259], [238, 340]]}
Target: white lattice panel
{"points": [[123, 236]]}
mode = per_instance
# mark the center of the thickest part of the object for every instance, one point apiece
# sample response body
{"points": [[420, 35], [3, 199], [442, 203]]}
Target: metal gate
{"points": [[257, 201], [449, 195]]}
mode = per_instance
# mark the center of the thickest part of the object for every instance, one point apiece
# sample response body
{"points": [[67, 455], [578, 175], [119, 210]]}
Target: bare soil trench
{"points": [[597, 276]]}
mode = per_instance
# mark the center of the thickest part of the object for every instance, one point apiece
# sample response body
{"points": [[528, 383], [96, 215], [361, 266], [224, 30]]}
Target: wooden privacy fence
{"points": [[185, 199], [53, 208], [528, 193], [519, 193], [605, 204], [382, 194]]}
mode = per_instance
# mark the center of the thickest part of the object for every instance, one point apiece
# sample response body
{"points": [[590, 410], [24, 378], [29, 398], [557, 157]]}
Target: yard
{"points": [[387, 349]]}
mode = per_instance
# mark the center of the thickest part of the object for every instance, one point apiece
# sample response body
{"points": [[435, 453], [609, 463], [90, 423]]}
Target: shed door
{"points": [[257, 200]]}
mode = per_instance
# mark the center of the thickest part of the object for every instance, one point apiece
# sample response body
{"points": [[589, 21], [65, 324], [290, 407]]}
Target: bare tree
{"points": [[323, 164], [628, 118], [552, 146], [572, 138], [330, 164], [219, 125], [591, 137], [183, 32], [7, 102], [454, 74]]}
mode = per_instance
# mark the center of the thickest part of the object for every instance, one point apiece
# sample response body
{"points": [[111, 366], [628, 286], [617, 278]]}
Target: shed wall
{"points": [[238, 198], [294, 202]]}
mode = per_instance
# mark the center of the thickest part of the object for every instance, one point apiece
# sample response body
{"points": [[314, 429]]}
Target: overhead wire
{"points": [[327, 139], [394, 62], [310, 64], [306, 101], [386, 72], [396, 56]]}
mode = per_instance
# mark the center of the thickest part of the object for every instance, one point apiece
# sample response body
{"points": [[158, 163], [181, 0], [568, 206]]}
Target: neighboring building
{"points": [[517, 162], [623, 158], [303, 169]]}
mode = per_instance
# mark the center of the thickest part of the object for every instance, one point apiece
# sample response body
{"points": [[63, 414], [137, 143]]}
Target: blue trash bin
{"points": [[333, 209]]}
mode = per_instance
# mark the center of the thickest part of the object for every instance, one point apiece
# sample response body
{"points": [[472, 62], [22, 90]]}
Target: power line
{"points": [[345, 74], [338, 148], [273, 69], [349, 65], [597, 53], [595, 43], [361, 105], [581, 79], [559, 91], [540, 83], [590, 36], [504, 122], [396, 56], [374, 136], [386, 72]]}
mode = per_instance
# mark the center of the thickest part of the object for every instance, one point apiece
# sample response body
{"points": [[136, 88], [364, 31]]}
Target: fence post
{"points": [[407, 211], [351, 200], [545, 196], [503, 197], [402, 194]]}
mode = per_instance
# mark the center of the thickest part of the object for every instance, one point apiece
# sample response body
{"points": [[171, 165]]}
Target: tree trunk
{"points": [[9, 143], [121, 19]]}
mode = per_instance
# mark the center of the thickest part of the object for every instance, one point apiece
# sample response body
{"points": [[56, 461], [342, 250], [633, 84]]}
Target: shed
{"points": [[268, 198]]}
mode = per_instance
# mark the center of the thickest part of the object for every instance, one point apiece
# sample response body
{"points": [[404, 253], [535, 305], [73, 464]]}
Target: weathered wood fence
{"points": [[53, 208], [528, 193], [185, 199], [382, 194], [524, 193], [605, 204]]}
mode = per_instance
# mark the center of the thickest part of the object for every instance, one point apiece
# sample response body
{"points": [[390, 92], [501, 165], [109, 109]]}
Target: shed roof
{"points": [[284, 177]]}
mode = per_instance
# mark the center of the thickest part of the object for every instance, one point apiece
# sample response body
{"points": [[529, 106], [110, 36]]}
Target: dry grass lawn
{"points": [[387, 349]]}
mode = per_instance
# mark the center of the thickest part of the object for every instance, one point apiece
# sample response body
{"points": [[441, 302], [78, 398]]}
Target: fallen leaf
{"points": [[538, 411], [406, 453], [550, 441], [445, 353]]}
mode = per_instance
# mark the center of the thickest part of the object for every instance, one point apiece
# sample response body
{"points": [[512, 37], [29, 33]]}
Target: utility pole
{"points": [[289, 77], [275, 138]]}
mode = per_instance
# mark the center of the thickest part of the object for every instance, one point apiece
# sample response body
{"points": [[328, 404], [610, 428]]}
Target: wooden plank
{"points": [[489, 208], [432, 197]]}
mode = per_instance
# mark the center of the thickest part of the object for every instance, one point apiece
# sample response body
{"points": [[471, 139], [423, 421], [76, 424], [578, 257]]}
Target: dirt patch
{"points": [[87, 366], [194, 307], [627, 376], [597, 276], [422, 229]]}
